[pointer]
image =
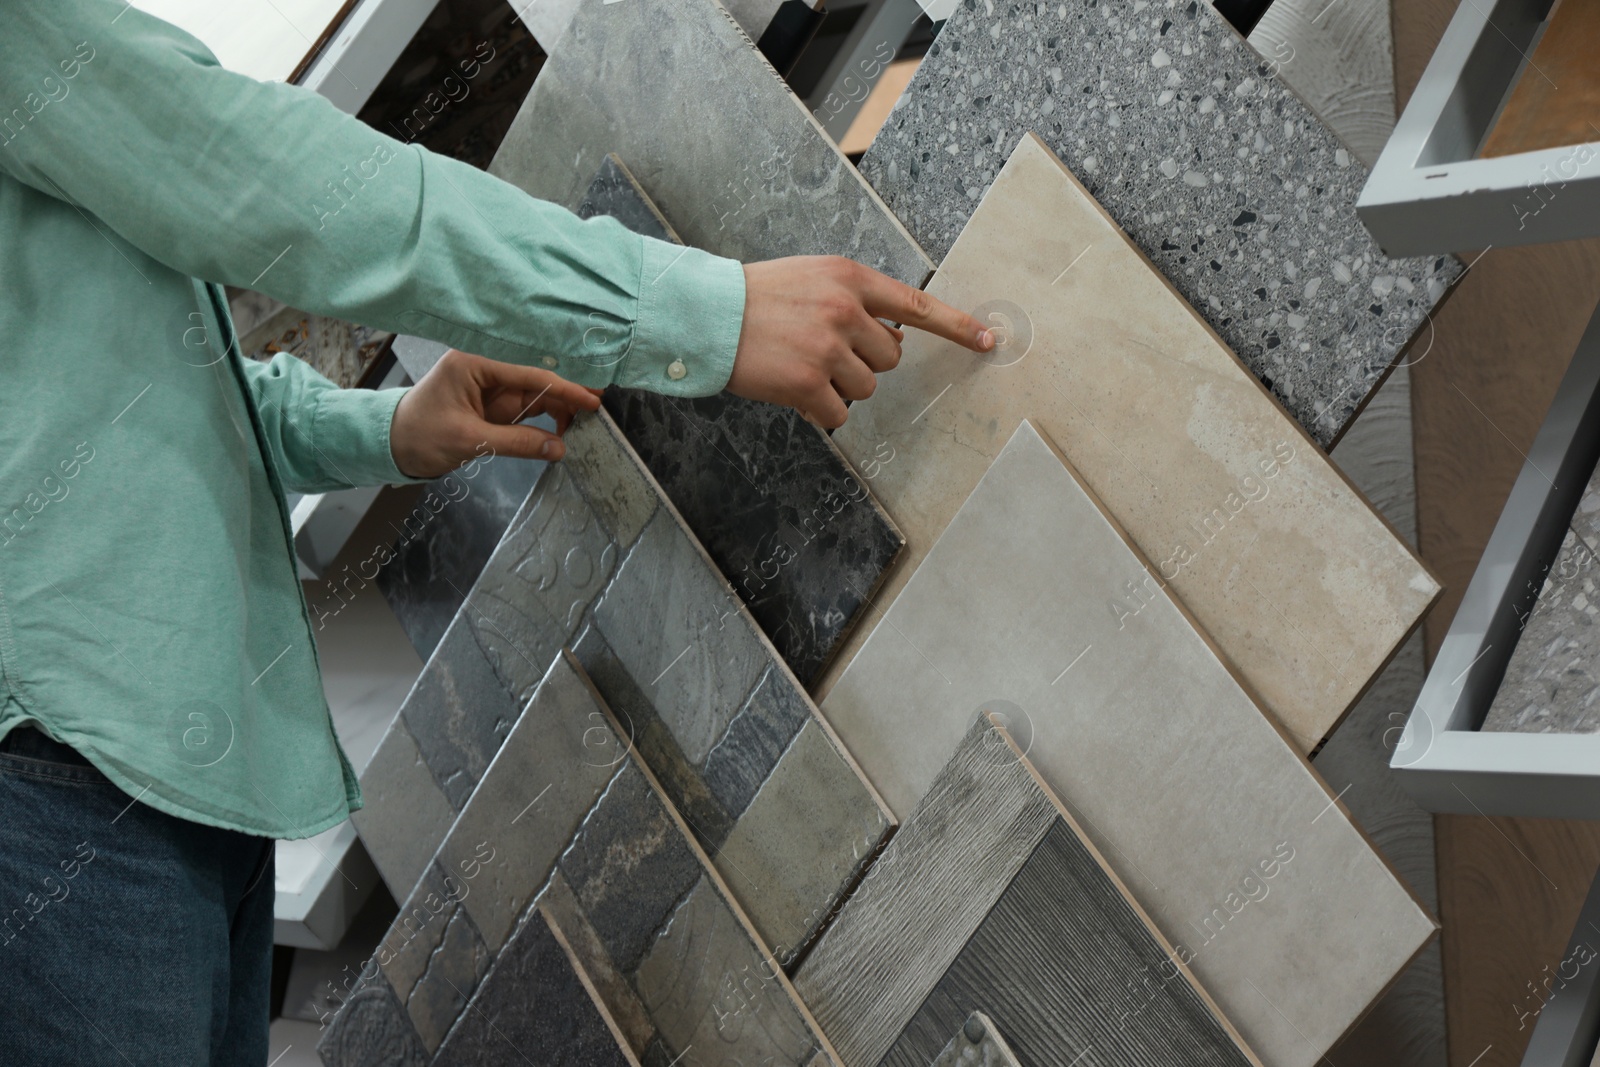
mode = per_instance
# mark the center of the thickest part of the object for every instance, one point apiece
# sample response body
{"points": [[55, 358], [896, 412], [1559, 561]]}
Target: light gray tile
{"points": [[728, 153], [784, 850], [1182, 782], [405, 815], [601, 461]]}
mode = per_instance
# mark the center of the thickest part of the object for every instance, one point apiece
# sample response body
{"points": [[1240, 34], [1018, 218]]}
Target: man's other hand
{"points": [[466, 401], [812, 340]]}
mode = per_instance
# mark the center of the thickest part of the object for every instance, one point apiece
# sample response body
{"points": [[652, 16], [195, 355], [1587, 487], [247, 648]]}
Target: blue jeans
{"points": [[128, 937]]}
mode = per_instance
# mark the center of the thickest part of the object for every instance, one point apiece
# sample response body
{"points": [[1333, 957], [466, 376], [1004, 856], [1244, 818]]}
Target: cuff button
{"points": [[551, 361], [676, 370]]}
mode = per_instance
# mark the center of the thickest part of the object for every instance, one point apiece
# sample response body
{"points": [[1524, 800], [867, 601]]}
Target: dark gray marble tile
{"points": [[1210, 163], [628, 866], [726, 150], [371, 1028], [773, 502], [442, 544], [459, 712], [532, 1008]]}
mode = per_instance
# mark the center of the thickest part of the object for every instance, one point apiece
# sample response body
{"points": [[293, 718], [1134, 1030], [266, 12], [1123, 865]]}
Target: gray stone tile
{"points": [[405, 814], [538, 791], [750, 748], [532, 1008], [1552, 684], [443, 543], [774, 503], [1213, 166], [785, 848], [696, 671], [418, 929], [710, 988], [561, 910], [459, 712], [727, 152], [1586, 519], [628, 865], [977, 1044], [371, 1028], [454, 970]]}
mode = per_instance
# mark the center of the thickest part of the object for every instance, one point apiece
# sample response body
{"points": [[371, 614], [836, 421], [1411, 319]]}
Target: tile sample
{"points": [[1038, 930], [371, 1028], [1552, 684], [1215, 169], [976, 1044], [445, 540], [340, 351], [1236, 848], [405, 814], [728, 153], [1289, 570], [766, 492], [1339, 59], [598, 559]]}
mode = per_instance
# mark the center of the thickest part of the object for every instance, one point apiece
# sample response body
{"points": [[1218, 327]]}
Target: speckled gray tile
{"points": [[565, 916], [725, 149], [976, 1044], [443, 543], [405, 815], [766, 492], [711, 987], [371, 1028], [533, 1008], [597, 559], [1586, 519], [1218, 172], [1552, 684]]}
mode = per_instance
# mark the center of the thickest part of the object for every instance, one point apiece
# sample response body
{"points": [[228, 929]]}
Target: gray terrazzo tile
{"points": [[371, 1028], [726, 150], [532, 1004], [1586, 519], [1552, 684], [628, 866], [766, 492], [1214, 168]]}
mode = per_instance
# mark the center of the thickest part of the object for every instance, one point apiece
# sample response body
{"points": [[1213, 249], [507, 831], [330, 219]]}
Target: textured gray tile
{"points": [[756, 737], [737, 163], [454, 970], [533, 1008], [561, 910], [537, 792], [603, 464], [784, 848], [371, 1028], [1214, 168], [628, 866], [711, 989], [1552, 684], [418, 929], [774, 503], [405, 814], [695, 670], [976, 1044]]}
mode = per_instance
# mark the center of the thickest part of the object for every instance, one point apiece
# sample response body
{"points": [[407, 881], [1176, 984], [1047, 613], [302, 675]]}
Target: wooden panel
{"points": [[1065, 962], [1556, 100]]}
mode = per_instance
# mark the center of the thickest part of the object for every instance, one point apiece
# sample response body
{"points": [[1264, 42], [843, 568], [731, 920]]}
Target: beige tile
{"points": [[1218, 827], [1303, 586]]}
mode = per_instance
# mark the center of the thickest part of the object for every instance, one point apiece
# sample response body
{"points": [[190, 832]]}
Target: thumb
{"points": [[524, 442]]}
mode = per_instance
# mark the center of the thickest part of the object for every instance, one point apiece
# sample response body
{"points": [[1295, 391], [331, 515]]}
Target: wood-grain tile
{"points": [[1062, 959], [1183, 782], [1305, 588]]}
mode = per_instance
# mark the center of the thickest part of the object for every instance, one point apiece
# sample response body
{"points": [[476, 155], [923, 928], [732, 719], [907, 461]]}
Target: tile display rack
{"points": [[1429, 193], [1443, 759]]}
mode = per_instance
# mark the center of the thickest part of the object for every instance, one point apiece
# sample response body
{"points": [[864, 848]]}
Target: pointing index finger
{"points": [[886, 298]]}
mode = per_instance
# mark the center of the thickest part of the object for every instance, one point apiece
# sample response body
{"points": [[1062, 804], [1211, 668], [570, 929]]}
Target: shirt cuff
{"points": [[690, 313], [353, 425]]}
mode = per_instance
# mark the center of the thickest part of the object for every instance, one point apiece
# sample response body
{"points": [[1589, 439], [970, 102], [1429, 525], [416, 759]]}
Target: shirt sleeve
{"points": [[269, 187]]}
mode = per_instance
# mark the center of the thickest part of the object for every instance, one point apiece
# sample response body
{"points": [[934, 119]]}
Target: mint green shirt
{"points": [[150, 614]]}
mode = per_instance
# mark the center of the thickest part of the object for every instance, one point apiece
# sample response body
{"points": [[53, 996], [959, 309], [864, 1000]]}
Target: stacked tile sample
{"points": [[1217, 171], [1238, 851], [1303, 586], [570, 912], [726, 150], [342, 352], [599, 560], [977, 1044], [993, 895], [781, 513]]}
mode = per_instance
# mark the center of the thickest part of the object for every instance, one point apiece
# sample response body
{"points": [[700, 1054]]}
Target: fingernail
{"points": [[985, 340], [550, 450]]}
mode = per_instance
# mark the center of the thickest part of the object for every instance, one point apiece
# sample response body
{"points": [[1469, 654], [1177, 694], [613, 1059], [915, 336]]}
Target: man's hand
{"points": [[812, 340], [466, 401]]}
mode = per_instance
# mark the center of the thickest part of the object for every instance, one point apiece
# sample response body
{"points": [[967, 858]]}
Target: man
{"points": [[148, 595]]}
